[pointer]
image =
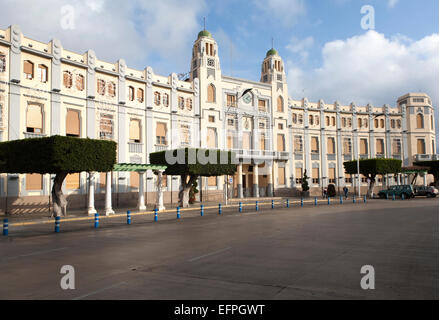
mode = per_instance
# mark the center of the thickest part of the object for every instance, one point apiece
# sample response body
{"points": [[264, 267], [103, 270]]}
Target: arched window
{"points": [[333, 121], [419, 121], [181, 103], [101, 87], [376, 123], [165, 99], [294, 118], [111, 89], [327, 121], [131, 93], [211, 93], [343, 122], [2, 62], [34, 119], [42, 70], [135, 130], [73, 123], [392, 123], [189, 104], [317, 120], [280, 104], [80, 82], [359, 123], [398, 124], [311, 120], [382, 123]]}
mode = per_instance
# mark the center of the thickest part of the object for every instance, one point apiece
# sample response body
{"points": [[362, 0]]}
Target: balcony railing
{"points": [[423, 157], [397, 156], [331, 157], [33, 135], [161, 147], [134, 147]]}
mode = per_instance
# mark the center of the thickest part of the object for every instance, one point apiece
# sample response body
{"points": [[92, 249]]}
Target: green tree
{"points": [[186, 163], [57, 155], [433, 169], [305, 185], [370, 168]]}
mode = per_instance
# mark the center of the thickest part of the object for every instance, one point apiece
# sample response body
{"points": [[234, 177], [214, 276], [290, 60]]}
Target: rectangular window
{"points": [[134, 180], [299, 175], [73, 123], [67, 79], [165, 100], [73, 181], [28, 70], [161, 134], [281, 176], [34, 119], [130, 93], [211, 118], [396, 147], [111, 89], [280, 142], [347, 146], [80, 82], [34, 182], [315, 176], [2, 62], [332, 177], [135, 130], [262, 105], [262, 142], [231, 100], [314, 145], [42, 70], [101, 87], [106, 126], [421, 146], [298, 144], [380, 147], [185, 135], [363, 147], [331, 146]]}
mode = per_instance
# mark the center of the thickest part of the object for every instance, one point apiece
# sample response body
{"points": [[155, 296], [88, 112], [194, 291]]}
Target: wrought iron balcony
{"points": [[161, 147]]}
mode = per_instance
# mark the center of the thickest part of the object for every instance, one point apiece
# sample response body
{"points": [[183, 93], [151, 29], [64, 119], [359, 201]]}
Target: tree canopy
{"points": [[57, 154], [370, 168], [433, 169]]}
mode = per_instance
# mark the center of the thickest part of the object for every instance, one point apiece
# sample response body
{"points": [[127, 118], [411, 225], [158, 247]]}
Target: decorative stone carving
{"points": [[91, 61], [321, 104], [149, 73], [353, 107], [305, 103], [174, 83], [196, 87], [15, 39], [56, 51], [122, 69], [386, 108]]}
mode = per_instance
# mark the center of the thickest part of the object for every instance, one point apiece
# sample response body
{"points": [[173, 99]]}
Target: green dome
{"points": [[204, 33], [272, 52]]}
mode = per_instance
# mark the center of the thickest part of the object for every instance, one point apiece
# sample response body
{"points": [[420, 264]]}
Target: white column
{"points": [[255, 181], [425, 179], [159, 203], [240, 191], [91, 193], [141, 201], [108, 208]]}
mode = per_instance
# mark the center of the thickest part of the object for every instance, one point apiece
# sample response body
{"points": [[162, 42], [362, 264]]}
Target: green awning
{"points": [[137, 167]]}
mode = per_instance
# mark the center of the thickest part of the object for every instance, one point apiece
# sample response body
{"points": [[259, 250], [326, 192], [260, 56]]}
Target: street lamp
{"points": [[358, 159], [228, 109]]}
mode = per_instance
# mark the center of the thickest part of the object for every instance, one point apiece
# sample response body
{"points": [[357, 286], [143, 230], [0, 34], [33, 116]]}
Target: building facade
{"points": [[48, 90]]}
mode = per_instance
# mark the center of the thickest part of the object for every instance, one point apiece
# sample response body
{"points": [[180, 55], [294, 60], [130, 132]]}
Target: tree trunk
{"points": [[183, 195], [370, 190], [58, 198]]}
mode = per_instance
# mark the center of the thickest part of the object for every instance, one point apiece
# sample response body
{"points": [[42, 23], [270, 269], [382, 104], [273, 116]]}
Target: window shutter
{"points": [[34, 182], [73, 123], [363, 146], [299, 173], [28, 67], [34, 117], [210, 93], [315, 173], [280, 142], [135, 130], [161, 129], [134, 180], [314, 144], [73, 181], [281, 176]]}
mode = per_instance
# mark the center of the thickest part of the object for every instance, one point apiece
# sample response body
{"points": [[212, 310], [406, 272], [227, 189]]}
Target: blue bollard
{"points": [[365, 199], [341, 199], [272, 204], [96, 220], [156, 216], [329, 201], [178, 212], [5, 227], [354, 200], [393, 197], [288, 203], [220, 209], [128, 217], [301, 202], [257, 206], [315, 201], [240, 207], [403, 196], [57, 224], [202, 210], [387, 196]]}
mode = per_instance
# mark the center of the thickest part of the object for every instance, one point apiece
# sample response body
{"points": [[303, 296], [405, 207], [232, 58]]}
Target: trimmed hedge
{"points": [[373, 167], [205, 170], [57, 154]]}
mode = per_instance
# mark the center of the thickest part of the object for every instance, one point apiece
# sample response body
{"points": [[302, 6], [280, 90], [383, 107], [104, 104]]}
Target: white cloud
{"points": [[392, 3], [284, 10], [370, 68], [301, 47], [133, 30]]}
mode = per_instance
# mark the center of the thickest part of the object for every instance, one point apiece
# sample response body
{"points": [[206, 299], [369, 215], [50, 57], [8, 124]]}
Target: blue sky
{"points": [[326, 52]]}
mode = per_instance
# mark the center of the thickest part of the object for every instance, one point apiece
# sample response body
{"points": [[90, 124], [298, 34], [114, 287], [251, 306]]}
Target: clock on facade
{"points": [[247, 98]]}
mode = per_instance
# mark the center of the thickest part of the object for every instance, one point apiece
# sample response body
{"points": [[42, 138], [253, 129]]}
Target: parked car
{"points": [[426, 191], [398, 191]]}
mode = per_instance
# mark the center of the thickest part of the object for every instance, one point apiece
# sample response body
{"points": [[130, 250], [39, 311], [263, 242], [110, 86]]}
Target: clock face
{"points": [[247, 98]]}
